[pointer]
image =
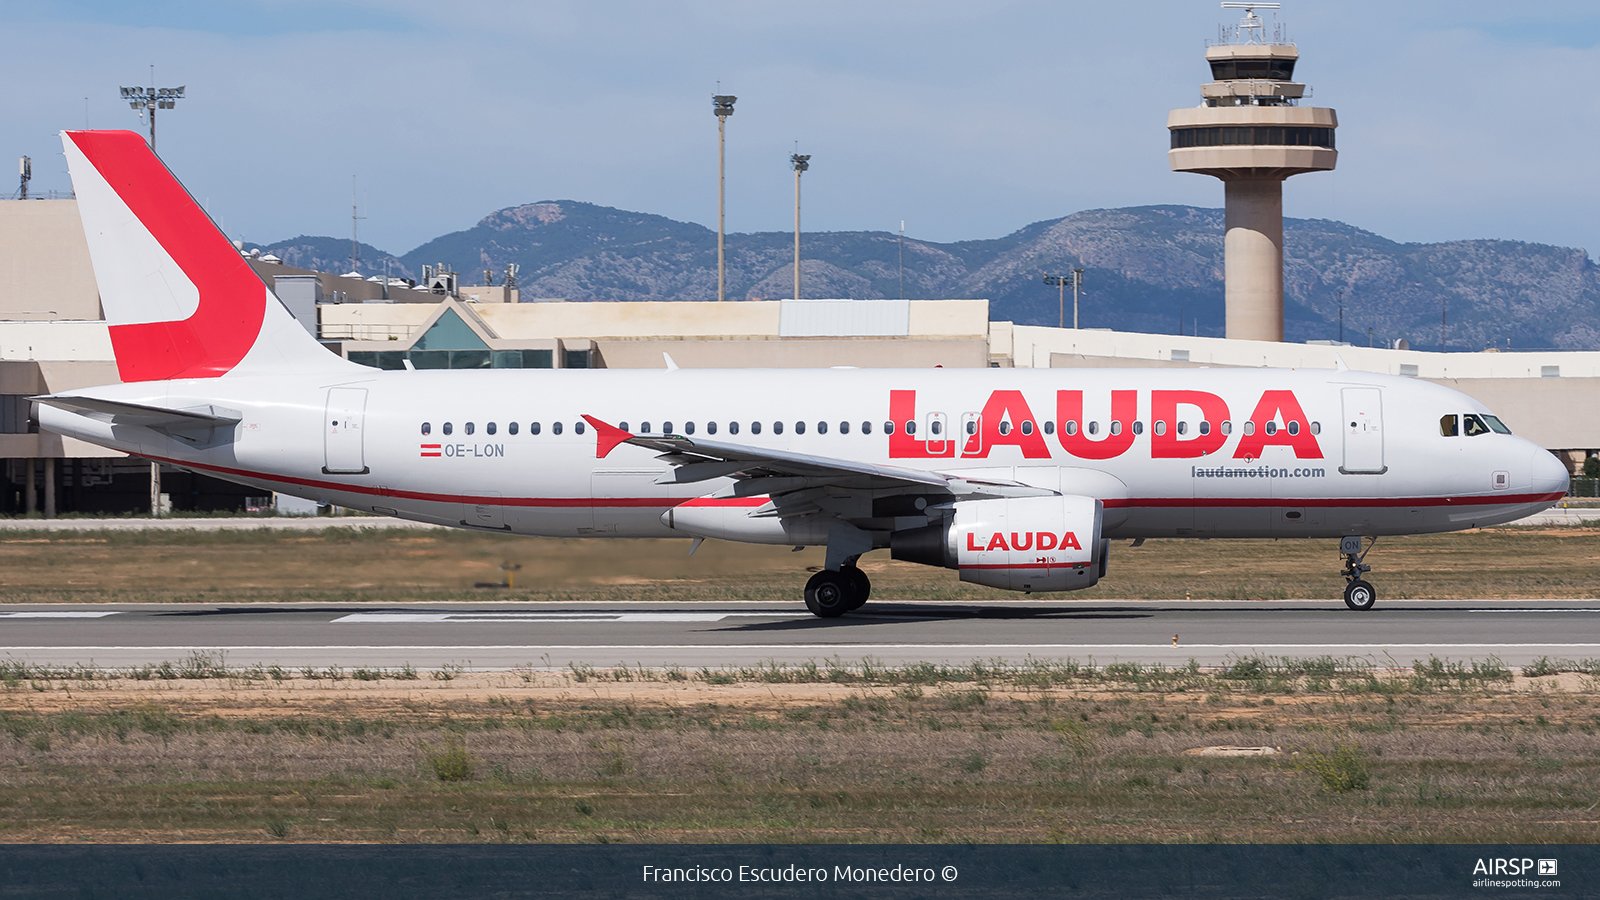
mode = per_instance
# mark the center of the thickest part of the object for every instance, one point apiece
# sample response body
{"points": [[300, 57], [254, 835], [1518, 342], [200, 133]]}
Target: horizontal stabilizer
{"points": [[118, 412]]}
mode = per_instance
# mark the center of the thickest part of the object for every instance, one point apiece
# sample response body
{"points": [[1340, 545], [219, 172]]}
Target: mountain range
{"points": [[1146, 269]]}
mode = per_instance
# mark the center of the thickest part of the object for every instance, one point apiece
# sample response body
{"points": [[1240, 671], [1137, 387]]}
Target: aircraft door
{"points": [[622, 503], [971, 436], [1363, 431], [484, 510], [342, 426]]}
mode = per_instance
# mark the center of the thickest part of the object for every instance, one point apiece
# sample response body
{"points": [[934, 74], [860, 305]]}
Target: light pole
{"points": [[902, 248], [801, 162], [1076, 280], [722, 107], [1060, 283], [355, 219], [1341, 316], [152, 99], [1077, 285]]}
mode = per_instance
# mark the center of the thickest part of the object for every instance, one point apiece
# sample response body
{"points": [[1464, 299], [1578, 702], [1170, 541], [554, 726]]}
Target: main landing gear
{"points": [[1358, 594], [831, 594]]}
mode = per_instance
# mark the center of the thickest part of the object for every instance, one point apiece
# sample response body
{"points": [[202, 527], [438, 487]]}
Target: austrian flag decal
{"points": [[431, 450]]}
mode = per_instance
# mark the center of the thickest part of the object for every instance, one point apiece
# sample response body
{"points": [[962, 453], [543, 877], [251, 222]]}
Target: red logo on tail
{"points": [[232, 299]]}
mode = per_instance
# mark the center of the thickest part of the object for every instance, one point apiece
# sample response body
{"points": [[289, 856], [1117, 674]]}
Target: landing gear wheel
{"points": [[861, 586], [829, 594], [1359, 595]]}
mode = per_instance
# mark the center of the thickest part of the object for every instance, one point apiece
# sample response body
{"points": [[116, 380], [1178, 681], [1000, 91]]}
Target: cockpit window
{"points": [[1474, 425], [1496, 424], [1449, 426]]}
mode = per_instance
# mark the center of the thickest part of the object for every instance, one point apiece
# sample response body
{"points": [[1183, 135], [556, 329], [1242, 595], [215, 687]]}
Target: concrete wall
{"points": [[55, 341], [630, 320], [491, 293], [371, 321], [50, 376], [1079, 361], [45, 259], [41, 446], [940, 319], [1032, 345], [800, 353]]}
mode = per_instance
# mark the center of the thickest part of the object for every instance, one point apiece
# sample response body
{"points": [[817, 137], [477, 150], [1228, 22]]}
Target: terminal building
{"points": [[1248, 130], [53, 338]]}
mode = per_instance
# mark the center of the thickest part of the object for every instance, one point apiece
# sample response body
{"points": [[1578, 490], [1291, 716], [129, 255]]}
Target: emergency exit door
{"points": [[1363, 431], [342, 451], [971, 435]]}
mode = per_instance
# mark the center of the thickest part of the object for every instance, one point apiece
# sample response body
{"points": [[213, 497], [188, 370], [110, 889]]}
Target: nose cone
{"points": [[1548, 474]]}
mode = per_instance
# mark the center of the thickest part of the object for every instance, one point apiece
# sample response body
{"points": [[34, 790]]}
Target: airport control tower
{"points": [[1250, 131]]}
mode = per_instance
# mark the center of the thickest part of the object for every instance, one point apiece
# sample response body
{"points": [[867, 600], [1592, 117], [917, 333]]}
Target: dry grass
{"points": [[909, 756], [403, 565], [1036, 751]]}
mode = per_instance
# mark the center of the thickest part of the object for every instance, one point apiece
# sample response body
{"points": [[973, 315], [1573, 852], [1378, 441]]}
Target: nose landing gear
{"points": [[1358, 594]]}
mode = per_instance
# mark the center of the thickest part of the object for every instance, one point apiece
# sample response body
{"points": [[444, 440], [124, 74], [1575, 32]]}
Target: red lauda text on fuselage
{"points": [[1007, 420]]}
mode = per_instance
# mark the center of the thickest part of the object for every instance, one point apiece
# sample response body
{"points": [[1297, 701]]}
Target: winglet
{"points": [[1338, 363], [671, 366], [606, 437]]}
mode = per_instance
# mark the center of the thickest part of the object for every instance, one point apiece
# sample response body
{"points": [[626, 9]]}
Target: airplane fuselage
{"points": [[1170, 453]]}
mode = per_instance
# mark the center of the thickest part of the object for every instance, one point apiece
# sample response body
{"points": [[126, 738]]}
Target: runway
{"points": [[691, 635]]}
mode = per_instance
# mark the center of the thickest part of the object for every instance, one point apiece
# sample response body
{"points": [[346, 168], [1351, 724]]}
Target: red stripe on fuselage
{"points": [[552, 502], [665, 502], [1326, 502]]}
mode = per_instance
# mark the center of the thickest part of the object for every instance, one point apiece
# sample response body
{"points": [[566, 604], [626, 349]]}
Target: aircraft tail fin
{"points": [[180, 300]]}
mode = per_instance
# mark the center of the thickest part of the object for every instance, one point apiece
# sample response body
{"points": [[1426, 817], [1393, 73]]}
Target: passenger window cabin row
{"points": [[935, 427], [491, 428]]}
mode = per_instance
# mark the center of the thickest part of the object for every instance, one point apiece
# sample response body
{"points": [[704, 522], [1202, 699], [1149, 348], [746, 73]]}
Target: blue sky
{"points": [[966, 120]]}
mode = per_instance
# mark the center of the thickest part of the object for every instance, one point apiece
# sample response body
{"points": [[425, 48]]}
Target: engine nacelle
{"points": [[1022, 544]]}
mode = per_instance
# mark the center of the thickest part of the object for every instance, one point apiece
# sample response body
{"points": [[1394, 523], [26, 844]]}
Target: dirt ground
{"points": [[605, 756]]}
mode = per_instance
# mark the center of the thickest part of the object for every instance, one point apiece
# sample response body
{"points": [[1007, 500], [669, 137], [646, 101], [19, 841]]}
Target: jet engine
{"points": [[1021, 544]]}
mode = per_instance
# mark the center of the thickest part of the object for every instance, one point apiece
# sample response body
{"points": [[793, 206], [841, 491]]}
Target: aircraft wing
{"points": [[767, 470], [117, 412]]}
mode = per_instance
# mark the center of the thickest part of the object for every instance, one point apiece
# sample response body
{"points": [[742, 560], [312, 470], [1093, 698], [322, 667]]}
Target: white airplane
{"points": [[1017, 478]]}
